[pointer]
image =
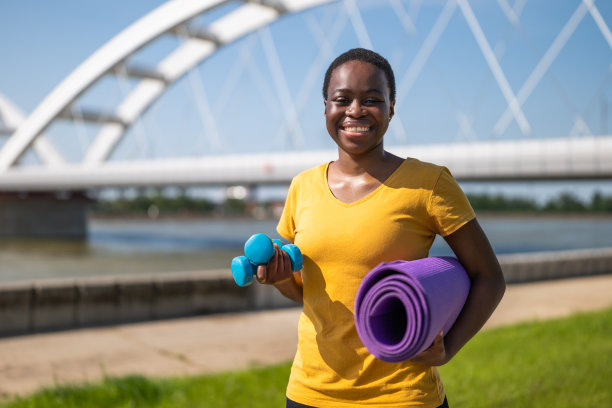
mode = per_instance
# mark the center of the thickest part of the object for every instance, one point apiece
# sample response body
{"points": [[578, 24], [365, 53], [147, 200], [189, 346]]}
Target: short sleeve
{"points": [[448, 205], [286, 224]]}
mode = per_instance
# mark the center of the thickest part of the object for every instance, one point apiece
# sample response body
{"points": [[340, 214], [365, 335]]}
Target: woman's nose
{"points": [[355, 109]]}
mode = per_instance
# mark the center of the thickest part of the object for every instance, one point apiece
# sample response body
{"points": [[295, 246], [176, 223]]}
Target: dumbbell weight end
{"points": [[243, 271], [295, 255]]}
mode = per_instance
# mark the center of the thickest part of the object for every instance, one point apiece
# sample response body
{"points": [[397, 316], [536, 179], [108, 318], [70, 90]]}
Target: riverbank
{"points": [[170, 245], [59, 304], [223, 342], [99, 217], [155, 204]]}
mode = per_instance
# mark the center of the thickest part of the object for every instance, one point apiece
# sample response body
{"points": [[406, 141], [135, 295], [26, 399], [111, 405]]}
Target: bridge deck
{"points": [[534, 159]]}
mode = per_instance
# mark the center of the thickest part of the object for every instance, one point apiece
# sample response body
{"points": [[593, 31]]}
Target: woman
{"points": [[347, 216]]}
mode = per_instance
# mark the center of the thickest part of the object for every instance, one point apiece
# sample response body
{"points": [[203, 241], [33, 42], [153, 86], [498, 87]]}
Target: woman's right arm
{"points": [[278, 273]]}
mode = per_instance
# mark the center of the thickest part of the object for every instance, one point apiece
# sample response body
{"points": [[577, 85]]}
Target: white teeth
{"points": [[357, 129]]}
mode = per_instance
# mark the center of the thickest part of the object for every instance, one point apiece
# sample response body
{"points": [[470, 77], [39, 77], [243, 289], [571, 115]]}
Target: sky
{"points": [[454, 97]]}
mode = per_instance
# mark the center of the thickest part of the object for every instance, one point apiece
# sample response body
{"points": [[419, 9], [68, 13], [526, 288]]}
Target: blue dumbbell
{"points": [[258, 250]]}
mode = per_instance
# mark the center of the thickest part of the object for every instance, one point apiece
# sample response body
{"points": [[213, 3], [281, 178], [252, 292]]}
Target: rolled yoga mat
{"points": [[401, 306]]}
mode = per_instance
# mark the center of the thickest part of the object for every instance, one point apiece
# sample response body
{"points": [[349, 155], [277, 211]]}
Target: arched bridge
{"points": [[32, 160]]}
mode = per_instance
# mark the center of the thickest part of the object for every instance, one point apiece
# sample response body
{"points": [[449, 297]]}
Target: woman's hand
{"points": [[435, 355], [277, 270]]}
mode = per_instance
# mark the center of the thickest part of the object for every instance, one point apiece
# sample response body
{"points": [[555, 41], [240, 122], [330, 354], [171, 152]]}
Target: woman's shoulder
{"points": [[310, 178], [417, 168], [313, 173]]}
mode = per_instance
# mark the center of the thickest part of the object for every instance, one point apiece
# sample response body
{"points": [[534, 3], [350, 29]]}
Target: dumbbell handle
{"points": [[259, 249]]}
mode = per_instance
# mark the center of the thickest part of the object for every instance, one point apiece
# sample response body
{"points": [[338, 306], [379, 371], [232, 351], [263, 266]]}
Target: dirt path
{"points": [[231, 341]]}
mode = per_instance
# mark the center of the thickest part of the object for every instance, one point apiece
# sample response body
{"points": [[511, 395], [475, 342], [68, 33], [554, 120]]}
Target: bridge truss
{"points": [[203, 27]]}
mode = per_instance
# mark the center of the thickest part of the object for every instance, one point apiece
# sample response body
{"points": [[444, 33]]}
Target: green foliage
{"points": [[233, 206], [560, 363], [566, 202], [600, 203], [158, 203], [484, 202]]}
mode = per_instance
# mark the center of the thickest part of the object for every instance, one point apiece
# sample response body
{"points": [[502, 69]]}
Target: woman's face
{"points": [[358, 108]]}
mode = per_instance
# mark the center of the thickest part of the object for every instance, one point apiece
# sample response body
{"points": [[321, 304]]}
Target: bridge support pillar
{"points": [[43, 215]]}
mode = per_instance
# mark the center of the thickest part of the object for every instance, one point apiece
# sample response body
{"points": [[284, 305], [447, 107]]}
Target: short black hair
{"points": [[364, 55]]}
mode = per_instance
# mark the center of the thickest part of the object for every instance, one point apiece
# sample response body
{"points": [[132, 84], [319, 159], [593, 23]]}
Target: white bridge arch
{"points": [[580, 157], [172, 17], [13, 117]]}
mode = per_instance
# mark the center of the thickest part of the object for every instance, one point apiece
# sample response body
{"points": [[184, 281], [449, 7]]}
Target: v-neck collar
{"points": [[364, 198]]}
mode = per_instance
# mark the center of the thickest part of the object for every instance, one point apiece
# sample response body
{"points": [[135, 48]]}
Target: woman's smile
{"points": [[358, 107], [360, 129], [355, 129]]}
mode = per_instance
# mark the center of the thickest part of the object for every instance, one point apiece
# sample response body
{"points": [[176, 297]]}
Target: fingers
{"points": [[435, 355], [277, 269], [265, 271], [439, 340], [438, 343], [279, 266], [262, 273]]}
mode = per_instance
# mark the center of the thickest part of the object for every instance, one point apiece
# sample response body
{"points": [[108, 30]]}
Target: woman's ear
{"points": [[391, 109], [325, 109]]}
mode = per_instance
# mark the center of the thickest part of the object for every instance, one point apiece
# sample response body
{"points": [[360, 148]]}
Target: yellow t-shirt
{"points": [[341, 243]]}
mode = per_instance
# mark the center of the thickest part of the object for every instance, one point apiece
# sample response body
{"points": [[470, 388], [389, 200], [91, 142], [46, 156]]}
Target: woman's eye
{"points": [[341, 100], [370, 101]]}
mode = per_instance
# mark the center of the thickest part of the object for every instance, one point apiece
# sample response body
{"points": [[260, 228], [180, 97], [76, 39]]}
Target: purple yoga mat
{"points": [[401, 306]]}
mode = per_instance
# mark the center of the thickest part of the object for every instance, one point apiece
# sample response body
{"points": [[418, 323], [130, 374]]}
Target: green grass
{"points": [[559, 363], [258, 387]]}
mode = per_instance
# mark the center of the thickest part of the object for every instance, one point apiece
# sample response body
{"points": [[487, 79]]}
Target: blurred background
{"points": [[233, 82]]}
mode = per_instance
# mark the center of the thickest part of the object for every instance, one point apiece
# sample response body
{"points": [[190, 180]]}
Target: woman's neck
{"points": [[378, 163], [353, 177]]}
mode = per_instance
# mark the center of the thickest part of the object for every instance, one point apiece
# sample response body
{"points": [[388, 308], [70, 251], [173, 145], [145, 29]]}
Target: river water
{"points": [[122, 247]]}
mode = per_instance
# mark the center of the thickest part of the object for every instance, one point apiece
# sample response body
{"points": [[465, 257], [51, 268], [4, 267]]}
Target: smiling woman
{"points": [[359, 109], [359, 99], [347, 216]]}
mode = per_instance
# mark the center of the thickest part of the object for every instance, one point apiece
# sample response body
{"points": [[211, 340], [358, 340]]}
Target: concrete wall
{"points": [[38, 306], [43, 215], [537, 266]]}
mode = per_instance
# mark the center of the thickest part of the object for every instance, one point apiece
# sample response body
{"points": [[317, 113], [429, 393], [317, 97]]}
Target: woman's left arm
{"points": [[473, 250]]}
